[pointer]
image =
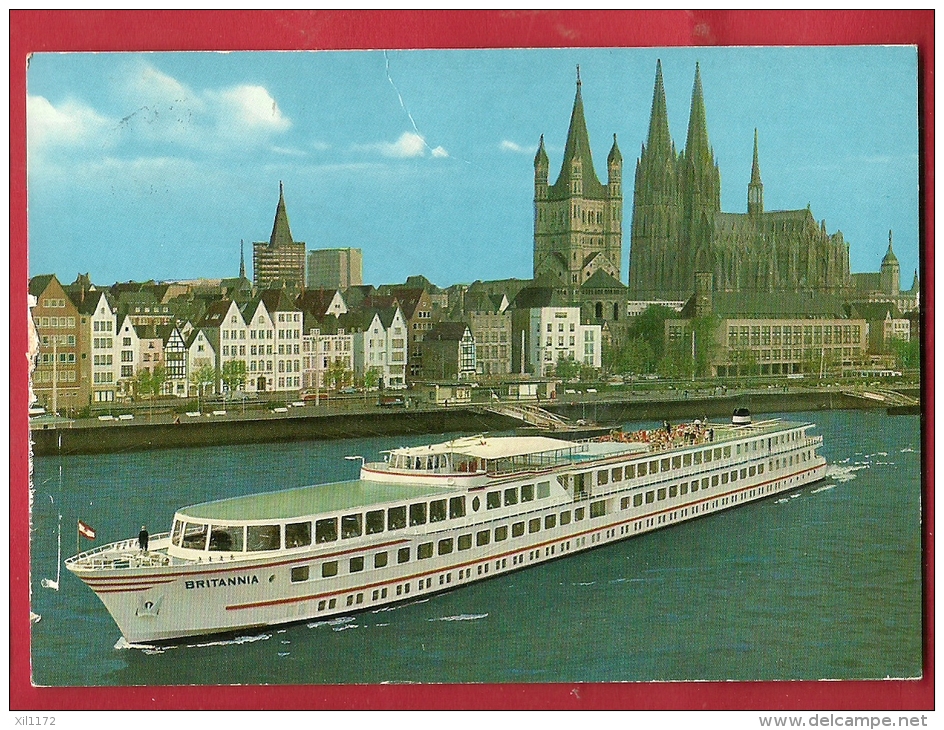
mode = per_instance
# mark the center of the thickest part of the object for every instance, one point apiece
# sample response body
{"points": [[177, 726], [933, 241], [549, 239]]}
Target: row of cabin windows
{"points": [[676, 490], [512, 495], [426, 550], [393, 518]]}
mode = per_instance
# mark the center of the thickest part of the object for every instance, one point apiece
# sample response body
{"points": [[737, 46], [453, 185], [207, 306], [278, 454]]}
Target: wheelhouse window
{"points": [[228, 538], [456, 507], [326, 530], [263, 537], [373, 522], [177, 532], [437, 510], [418, 514], [194, 536], [297, 534], [351, 526], [396, 518]]}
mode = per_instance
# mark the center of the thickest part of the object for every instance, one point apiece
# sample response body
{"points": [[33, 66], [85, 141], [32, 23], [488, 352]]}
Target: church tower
{"points": [[890, 271], [700, 190], [755, 189], [654, 233], [577, 220]]}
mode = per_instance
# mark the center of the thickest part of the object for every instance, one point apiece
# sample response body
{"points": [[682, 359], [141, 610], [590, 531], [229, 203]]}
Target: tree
{"points": [[907, 352], [233, 374], [633, 356], [202, 377], [337, 375], [650, 326], [566, 368], [371, 378]]}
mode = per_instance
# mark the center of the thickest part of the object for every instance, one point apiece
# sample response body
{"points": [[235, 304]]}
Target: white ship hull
{"points": [[230, 593]]}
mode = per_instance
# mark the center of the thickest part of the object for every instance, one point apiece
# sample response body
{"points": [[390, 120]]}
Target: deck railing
{"points": [[123, 554]]}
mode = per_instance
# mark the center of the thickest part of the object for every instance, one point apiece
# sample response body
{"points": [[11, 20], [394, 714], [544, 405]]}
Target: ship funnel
{"points": [[741, 417]]}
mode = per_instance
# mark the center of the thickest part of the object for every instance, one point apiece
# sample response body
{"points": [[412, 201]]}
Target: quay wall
{"points": [[118, 437]]}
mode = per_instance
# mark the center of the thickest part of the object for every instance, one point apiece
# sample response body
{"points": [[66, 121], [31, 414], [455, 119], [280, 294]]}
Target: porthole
{"points": [[476, 503]]}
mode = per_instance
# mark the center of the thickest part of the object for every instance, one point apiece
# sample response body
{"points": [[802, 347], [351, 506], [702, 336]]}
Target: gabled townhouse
{"points": [[489, 318], [216, 322], [449, 352], [288, 338], [57, 379], [259, 334], [176, 370], [128, 349], [327, 354], [380, 344], [100, 318], [417, 307], [201, 357]]}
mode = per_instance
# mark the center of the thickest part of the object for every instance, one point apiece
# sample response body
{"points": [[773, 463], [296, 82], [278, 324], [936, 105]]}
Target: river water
{"points": [[821, 583]]}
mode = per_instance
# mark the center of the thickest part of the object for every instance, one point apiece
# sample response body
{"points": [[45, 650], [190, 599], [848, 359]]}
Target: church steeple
{"points": [[696, 144], [755, 189], [242, 260], [890, 271], [281, 233], [578, 163], [659, 141]]}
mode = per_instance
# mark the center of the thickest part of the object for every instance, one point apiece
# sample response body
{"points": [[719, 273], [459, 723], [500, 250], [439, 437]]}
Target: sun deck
{"points": [[311, 500]]}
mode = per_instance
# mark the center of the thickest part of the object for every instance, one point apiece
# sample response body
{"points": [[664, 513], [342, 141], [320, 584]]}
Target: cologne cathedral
{"points": [[678, 228]]}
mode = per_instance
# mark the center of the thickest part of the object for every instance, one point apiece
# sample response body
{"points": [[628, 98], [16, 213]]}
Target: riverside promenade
{"points": [[238, 422]]}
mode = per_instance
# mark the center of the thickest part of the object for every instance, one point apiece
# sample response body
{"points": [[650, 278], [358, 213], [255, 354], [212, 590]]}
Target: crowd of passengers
{"points": [[667, 437]]}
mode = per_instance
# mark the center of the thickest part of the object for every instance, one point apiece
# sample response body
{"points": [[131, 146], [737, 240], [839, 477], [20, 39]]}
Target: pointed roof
{"points": [[316, 301], [602, 280], [615, 154], [696, 144], [755, 167], [242, 260], [281, 233], [659, 139], [38, 284], [540, 158], [446, 332], [889, 257], [578, 148]]}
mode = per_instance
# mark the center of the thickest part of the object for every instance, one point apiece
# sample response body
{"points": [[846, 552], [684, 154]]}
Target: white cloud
{"points": [[69, 124], [253, 107], [408, 145], [508, 146]]}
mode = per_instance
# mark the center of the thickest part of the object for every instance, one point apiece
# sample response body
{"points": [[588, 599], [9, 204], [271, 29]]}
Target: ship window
{"points": [[654, 467], [476, 503], [456, 507], [373, 522], [527, 492], [263, 537], [704, 483], [403, 555], [493, 500], [598, 509], [300, 574], [565, 518], [578, 514], [673, 491], [351, 526], [418, 514], [727, 452], [445, 546], [603, 476], [329, 569], [724, 478], [464, 542], [511, 496], [544, 490], [194, 536], [696, 457], [687, 460], [642, 469], [424, 551], [297, 534], [760, 468], [178, 532], [676, 462], [617, 474], [683, 489], [227, 539], [517, 529], [637, 500], [501, 533], [550, 521], [326, 530], [664, 465], [396, 518], [437, 510], [482, 538], [650, 497], [624, 503], [744, 473], [661, 493], [380, 560], [534, 525], [714, 481], [630, 472], [707, 456]]}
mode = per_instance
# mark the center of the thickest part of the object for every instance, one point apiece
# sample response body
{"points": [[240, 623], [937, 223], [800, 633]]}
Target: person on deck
{"points": [[143, 539]]}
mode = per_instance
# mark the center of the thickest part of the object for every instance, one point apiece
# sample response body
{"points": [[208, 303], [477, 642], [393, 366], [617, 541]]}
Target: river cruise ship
{"points": [[433, 518]]}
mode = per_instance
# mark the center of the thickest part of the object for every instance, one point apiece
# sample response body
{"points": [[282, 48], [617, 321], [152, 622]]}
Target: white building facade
{"points": [[557, 334]]}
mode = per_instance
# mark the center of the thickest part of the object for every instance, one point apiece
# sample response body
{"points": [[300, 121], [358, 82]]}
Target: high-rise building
{"points": [[335, 268], [280, 261], [678, 229], [578, 219]]}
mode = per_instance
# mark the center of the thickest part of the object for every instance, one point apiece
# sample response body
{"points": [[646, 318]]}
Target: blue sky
{"points": [[156, 165]]}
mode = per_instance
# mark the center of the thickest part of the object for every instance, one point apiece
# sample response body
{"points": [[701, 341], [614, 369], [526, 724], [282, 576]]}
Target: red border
{"points": [[32, 31]]}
